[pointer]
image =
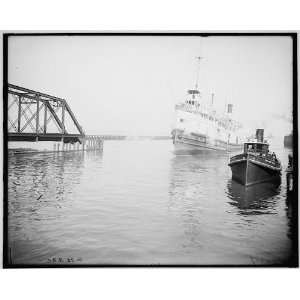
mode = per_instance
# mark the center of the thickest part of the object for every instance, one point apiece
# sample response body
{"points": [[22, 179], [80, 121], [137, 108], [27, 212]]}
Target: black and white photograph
{"points": [[150, 149]]}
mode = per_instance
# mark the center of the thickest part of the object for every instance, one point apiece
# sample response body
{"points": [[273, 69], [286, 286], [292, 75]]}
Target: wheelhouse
{"points": [[256, 147]]}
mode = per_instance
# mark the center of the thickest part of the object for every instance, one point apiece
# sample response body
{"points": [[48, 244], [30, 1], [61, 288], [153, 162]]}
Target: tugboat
{"points": [[256, 164]]}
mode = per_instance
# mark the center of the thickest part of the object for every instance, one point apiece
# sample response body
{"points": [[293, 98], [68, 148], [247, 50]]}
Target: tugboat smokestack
{"points": [[260, 135]]}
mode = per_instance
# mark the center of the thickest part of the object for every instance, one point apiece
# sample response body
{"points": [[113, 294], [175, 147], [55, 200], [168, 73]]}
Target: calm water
{"points": [[138, 203]]}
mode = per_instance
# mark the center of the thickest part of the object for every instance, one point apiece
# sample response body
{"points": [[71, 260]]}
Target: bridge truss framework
{"points": [[30, 114]]}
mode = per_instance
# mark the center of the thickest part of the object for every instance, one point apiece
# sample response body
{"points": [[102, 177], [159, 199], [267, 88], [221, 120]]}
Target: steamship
{"points": [[199, 127]]}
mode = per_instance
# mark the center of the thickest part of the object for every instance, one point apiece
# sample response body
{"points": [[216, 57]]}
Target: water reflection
{"points": [[193, 190], [192, 177], [39, 185], [42, 190], [33, 176], [255, 199]]}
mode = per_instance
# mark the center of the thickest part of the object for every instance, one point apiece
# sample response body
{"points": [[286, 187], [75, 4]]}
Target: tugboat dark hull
{"points": [[248, 172]]}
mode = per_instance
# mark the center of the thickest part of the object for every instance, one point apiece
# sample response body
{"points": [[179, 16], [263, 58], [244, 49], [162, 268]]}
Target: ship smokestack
{"points": [[229, 108], [260, 135]]}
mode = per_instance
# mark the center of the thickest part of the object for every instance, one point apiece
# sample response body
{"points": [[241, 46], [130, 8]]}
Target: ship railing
{"points": [[179, 105], [238, 157], [195, 110], [265, 158]]}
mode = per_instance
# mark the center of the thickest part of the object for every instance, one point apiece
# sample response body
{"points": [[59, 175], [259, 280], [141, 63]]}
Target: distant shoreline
{"points": [[29, 150]]}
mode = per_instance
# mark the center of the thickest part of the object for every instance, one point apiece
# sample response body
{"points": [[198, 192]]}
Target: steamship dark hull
{"points": [[194, 143], [249, 172]]}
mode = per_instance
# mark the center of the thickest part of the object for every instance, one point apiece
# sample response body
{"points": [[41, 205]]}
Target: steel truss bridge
{"points": [[35, 116]]}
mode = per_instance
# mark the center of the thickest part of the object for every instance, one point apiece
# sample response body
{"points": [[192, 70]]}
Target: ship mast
{"points": [[198, 71]]}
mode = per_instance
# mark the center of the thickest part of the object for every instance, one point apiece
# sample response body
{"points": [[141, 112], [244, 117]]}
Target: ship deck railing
{"points": [[206, 115], [257, 156]]}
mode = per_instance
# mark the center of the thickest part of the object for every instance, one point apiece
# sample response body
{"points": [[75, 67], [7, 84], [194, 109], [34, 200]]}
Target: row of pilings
{"points": [[89, 142]]}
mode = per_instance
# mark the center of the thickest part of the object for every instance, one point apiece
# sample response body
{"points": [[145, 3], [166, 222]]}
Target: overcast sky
{"points": [[129, 85]]}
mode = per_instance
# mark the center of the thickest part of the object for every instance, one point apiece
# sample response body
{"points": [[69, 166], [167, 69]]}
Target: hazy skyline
{"points": [[129, 85]]}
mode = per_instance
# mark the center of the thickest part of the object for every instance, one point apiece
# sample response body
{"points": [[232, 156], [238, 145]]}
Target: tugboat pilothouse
{"points": [[198, 126]]}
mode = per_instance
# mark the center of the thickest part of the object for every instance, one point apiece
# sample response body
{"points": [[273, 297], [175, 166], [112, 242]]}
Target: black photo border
{"points": [[294, 259]]}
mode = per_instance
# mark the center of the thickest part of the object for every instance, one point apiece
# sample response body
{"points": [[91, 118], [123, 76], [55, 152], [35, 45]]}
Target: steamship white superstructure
{"points": [[199, 127]]}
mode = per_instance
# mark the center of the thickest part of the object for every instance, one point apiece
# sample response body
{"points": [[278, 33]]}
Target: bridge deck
{"points": [[55, 137]]}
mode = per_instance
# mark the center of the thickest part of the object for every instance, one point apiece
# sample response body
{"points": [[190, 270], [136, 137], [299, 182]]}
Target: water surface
{"points": [[138, 203]]}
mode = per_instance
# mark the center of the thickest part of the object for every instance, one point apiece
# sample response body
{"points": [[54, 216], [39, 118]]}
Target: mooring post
{"points": [[19, 113], [54, 147], [58, 146]]}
